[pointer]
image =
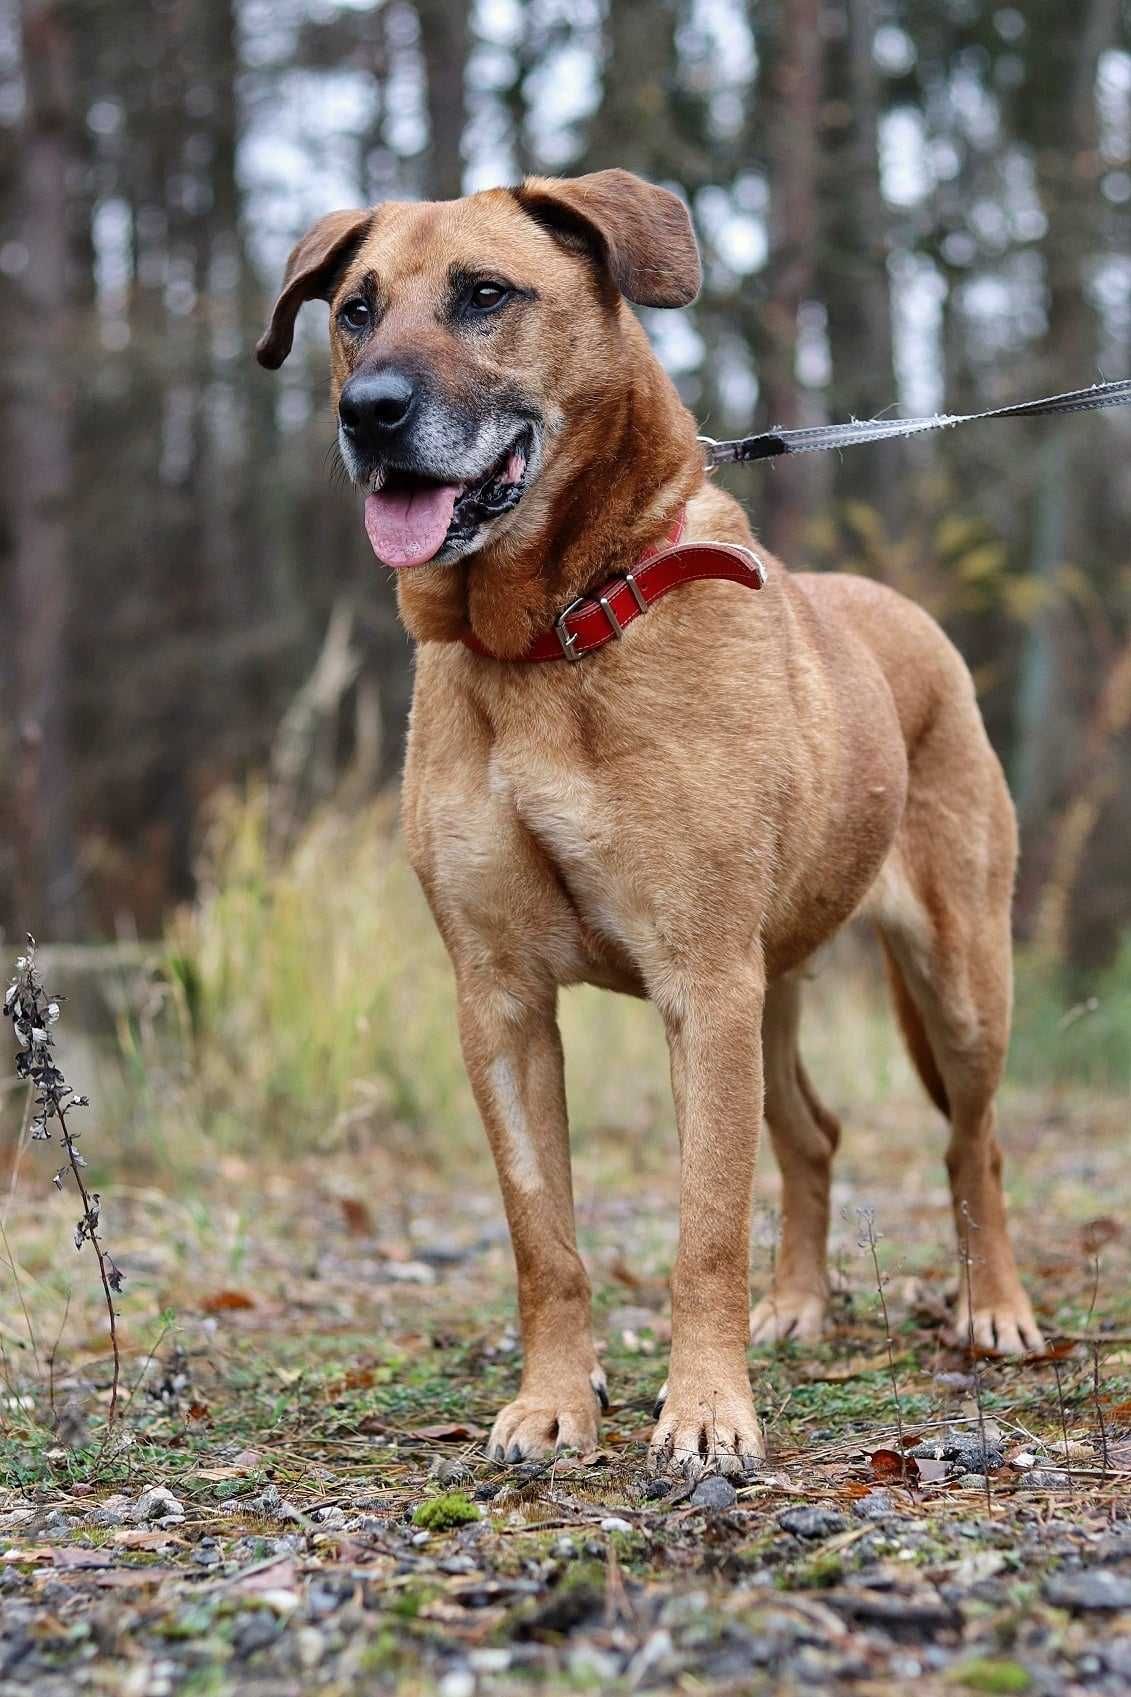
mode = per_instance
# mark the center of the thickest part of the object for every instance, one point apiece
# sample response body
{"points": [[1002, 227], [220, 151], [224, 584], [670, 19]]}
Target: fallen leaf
{"points": [[1095, 1233], [138, 1538], [357, 1379], [358, 1220], [889, 1464], [456, 1434], [227, 1302], [281, 1575], [932, 1472]]}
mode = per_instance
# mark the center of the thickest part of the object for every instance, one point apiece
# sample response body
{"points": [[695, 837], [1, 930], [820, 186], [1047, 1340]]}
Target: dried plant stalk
{"points": [[33, 1014]]}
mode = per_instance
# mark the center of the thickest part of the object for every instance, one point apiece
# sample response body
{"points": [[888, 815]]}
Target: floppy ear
{"points": [[640, 233], [309, 276]]}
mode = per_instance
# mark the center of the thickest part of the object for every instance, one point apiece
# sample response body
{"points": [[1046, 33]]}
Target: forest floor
{"points": [[296, 1497]]}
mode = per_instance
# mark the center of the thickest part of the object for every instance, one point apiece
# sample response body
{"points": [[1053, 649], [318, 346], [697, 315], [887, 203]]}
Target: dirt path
{"points": [[297, 1501]]}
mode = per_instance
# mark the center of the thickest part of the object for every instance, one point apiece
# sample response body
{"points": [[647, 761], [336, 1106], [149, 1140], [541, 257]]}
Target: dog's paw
{"points": [[535, 1424], [700, 1432], [797, 1315], [1006, 1327]]}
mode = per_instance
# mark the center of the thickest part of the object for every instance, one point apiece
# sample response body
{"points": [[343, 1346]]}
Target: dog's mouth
{"points": [[411, 519]]}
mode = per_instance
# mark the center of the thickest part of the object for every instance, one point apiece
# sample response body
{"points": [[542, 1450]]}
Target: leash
{"points": [[819, 438]]}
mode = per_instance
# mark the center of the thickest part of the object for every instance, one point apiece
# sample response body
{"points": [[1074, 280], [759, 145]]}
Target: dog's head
{"points": [[468, 336]]}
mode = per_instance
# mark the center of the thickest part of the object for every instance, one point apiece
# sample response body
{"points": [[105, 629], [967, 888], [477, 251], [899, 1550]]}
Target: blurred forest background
{"points": [[903, 205]]}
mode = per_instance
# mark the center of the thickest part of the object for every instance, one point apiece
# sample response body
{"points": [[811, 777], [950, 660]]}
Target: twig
{"points": [[1063, 1419], [1099, 1407], [54, 1352], [974, 1365], [867, 1220], [14, 1270]]}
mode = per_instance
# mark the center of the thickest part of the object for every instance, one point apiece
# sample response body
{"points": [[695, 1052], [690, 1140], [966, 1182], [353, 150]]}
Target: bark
{"points": [[1056, 664], [445, 41], [792, 138], [39, 448]]}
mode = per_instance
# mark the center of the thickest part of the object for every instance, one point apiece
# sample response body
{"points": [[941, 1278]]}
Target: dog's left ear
{"points": [[311, 269], [640, 233]]}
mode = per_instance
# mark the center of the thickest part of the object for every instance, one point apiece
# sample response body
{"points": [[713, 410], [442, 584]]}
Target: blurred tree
{"points": [[38, 468], [913, 200]]}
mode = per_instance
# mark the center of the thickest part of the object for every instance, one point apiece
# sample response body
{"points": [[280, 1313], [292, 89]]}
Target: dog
{"points": [[686, 815]]}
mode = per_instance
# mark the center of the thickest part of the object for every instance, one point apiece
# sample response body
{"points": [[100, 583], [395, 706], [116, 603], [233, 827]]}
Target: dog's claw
{"points": [[700, 1434], [600, 1388], [661, 1398]]}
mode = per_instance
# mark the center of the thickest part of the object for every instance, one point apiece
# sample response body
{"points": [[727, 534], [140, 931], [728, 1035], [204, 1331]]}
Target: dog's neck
{"points": [[625, 464]]}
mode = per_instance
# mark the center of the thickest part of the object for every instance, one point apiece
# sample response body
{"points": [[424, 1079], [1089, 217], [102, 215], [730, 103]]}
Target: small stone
{"points": [[714, 1493], [877, 1505], [971, 1482], [812, 1522], [1081, 1592], [459, 1683], [966, 1448], [255, 1632], [158, 1504], [613, 1523], [310, 1646], [112, 1511], [490, 1661], [592, 1667], [1046, 1479], [333, 1518], [448, 1472]]}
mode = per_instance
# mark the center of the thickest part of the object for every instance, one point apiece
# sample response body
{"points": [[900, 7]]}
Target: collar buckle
{"points": [[568, 638]]}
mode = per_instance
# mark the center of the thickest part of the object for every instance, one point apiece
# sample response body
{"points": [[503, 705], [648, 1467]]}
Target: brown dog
{"points": [[685, 816]]}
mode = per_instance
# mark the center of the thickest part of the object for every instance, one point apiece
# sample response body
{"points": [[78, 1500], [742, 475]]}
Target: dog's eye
{"points": [[485, 297], [355, 315]]}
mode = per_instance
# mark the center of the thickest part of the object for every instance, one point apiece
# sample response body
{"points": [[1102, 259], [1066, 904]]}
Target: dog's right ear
{"points": [[311, 270]]}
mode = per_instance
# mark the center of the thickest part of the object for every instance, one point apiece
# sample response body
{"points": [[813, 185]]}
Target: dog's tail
{"points": [[915, 1034]]}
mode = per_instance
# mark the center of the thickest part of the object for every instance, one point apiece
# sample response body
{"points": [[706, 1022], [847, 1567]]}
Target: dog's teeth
{"points": [[377, 482]]}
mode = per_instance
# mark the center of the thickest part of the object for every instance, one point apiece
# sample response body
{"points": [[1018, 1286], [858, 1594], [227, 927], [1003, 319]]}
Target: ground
{"points": [[318, 1328], [330, 1343]]}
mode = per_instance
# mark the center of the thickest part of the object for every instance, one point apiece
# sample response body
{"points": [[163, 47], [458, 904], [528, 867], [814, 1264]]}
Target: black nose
{"points": [[375, 403]]}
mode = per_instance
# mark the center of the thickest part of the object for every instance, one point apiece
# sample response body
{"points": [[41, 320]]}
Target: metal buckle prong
{"points": [[568, 638], [630, 579]]}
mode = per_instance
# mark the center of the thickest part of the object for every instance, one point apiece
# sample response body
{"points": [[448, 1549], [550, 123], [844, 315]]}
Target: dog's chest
{"points": [[577, 823]]}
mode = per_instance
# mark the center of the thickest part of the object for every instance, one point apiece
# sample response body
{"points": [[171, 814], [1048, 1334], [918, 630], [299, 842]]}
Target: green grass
{"points": [[309, 1005]]}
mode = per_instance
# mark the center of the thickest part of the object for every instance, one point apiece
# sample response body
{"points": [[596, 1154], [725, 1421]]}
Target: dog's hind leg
{"points": [[943, 905], [804, 1135]]}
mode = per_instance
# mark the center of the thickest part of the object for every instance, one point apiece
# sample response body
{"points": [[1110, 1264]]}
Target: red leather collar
{"points": [[602, 617]]}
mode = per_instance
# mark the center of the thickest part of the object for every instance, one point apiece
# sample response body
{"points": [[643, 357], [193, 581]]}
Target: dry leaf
{"points": [[889, 1465], [1095, 1233], [227, 1302], [454, 1434], [358, 1220]]}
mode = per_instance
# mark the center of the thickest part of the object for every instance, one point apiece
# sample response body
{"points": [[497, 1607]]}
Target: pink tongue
{"points": [[406, 527]]}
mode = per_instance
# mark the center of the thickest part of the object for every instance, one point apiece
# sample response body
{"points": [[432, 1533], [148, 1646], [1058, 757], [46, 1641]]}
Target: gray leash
{"points": [[820, 437]]}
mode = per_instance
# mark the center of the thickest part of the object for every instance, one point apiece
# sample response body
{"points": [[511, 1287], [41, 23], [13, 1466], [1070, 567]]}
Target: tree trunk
{"points": [[1056, 666], [792, 131], [445, 41], [39, 420]]}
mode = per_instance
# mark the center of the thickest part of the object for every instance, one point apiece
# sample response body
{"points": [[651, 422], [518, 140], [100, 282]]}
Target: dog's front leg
{"points": [[514, 1058], [707, 1422]]}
